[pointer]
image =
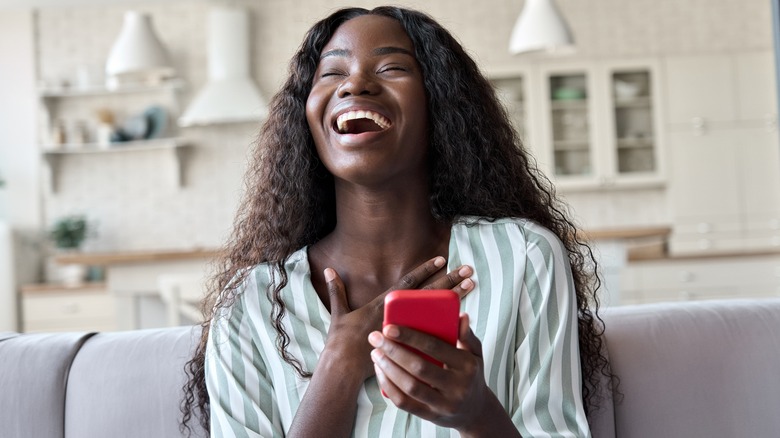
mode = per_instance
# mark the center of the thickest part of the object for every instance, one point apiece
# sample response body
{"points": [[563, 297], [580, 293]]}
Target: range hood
{"points": [[230, 95]]}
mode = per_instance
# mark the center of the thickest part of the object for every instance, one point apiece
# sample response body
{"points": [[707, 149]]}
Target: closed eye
{"points": [[393, 68], [332, 73]]}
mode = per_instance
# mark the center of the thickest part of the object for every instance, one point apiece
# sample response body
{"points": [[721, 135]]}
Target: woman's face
{"points": [[367, 109]]}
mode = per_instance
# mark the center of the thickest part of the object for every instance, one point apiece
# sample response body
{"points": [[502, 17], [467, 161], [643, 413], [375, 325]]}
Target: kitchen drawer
{"points": [[68, 309], [715, 272], [706, 243], [693, 227], [691, 294]]}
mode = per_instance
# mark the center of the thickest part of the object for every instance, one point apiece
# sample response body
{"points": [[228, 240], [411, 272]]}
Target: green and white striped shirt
{"points": [[522, 309]]}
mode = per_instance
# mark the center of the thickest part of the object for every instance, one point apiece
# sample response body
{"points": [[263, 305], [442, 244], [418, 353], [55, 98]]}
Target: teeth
{"points": [[341, 121]]}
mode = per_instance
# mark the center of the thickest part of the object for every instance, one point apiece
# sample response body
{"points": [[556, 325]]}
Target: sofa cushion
{"points": [[33, 380], [128, 384], [696, 369]]}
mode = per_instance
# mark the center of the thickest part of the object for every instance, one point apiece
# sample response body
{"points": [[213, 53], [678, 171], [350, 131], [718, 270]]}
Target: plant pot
{"points": [[73, 275]]}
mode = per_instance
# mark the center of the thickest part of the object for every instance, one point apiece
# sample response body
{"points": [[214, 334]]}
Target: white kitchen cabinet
{"points": [[48, 308], [725, 178], [687, 279], [757, 88], [701, 90], [600, 124]]}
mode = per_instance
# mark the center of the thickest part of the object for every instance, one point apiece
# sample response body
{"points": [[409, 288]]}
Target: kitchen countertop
{"points": [[150, 256], [132, 257]]}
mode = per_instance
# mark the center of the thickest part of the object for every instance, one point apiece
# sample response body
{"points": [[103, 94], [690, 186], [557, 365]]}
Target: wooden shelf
{"points": [[41, 288], [121, 258]]}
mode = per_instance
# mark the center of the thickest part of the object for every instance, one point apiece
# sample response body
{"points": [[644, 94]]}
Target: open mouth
{"points": [[358, 122]]}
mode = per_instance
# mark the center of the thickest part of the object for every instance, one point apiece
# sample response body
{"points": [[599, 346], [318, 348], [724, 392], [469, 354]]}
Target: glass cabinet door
{"points": [[633, 112], [569, 108], [511, 94]]}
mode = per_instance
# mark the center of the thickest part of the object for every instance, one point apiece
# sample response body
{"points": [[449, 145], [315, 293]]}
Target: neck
{"points": [[383, 233]]}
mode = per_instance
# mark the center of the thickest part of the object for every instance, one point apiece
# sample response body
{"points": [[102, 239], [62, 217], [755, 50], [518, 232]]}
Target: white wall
{"points": [[20, 214], [125, 194]]}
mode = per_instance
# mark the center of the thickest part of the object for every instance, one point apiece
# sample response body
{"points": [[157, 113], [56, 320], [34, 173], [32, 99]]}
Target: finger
{"points": [[458, 280], [408, 383], [419, 274], [337, 294], [394, 342], [397, 396], [467, 340]]}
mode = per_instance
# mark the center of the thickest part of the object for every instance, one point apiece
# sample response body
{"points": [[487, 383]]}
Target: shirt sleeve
{"points": [[548, 400], [239, 387]]}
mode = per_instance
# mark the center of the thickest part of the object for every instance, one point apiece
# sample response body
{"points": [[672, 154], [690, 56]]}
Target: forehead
{"points": [[368, 32]]}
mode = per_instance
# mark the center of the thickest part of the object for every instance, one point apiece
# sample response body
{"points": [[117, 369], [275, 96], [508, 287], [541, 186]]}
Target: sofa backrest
{"points": [[696, 369], [33, 379], [129, 384]]}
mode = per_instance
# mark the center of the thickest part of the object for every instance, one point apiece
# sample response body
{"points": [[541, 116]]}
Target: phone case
{"points": [[435, 312]]}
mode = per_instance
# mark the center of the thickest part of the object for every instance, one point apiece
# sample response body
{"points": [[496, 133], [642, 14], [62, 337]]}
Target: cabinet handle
{"points": [[699, 125], [70, 308], [686, 277], [771, 122]]}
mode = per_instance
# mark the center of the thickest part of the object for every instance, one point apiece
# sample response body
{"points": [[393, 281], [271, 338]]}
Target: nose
{"points": [[357, 84]]}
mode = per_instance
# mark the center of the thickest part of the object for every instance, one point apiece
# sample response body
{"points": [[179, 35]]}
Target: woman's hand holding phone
{"points": [[454, 395]]}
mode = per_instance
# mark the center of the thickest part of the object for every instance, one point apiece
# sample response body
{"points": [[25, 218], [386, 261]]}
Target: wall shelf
{"points": [[56, 93], [176, 147]]}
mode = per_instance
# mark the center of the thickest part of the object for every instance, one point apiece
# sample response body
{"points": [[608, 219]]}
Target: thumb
{"points": [[467, 340], [337, 294]]}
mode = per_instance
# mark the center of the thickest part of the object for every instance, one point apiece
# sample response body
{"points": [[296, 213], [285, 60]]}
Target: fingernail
{"points": [[330, 274], [391, 331], [375, 339], [466, 284], [376, 355], [464, 271], [439, 262]]}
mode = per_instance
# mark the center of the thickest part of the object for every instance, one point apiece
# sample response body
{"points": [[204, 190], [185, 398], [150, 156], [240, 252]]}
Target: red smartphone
{"points": [[432, 311]]}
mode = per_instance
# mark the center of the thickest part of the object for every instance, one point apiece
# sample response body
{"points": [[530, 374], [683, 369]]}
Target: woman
{"points": [[386, 157]]}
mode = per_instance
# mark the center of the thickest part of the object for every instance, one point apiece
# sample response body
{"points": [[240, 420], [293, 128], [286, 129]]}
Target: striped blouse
{"points": [[522, 309]]}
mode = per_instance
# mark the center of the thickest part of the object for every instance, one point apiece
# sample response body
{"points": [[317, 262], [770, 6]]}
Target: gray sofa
{"points": [[696, 369]]}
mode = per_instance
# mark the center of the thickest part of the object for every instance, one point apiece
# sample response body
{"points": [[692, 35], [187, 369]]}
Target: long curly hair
{"points": [[478, 167]]}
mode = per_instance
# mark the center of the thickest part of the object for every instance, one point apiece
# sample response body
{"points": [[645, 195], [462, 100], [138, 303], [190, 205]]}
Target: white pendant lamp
{"points": [[230, 96], [540, 27], [138, 55]]}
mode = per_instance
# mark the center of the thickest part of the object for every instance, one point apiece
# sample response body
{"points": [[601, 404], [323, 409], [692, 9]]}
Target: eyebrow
{"points": [[379, 51]]}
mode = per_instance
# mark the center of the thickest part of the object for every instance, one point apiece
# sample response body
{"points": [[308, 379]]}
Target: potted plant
{"points": [[68, 234]]}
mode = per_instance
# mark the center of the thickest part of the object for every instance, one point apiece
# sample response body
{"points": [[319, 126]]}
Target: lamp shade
{"points": [[540, 27], [138, 55]]}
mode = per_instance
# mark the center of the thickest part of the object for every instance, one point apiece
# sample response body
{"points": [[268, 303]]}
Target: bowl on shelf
{"points": [[627, 90], [568, 93]]}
